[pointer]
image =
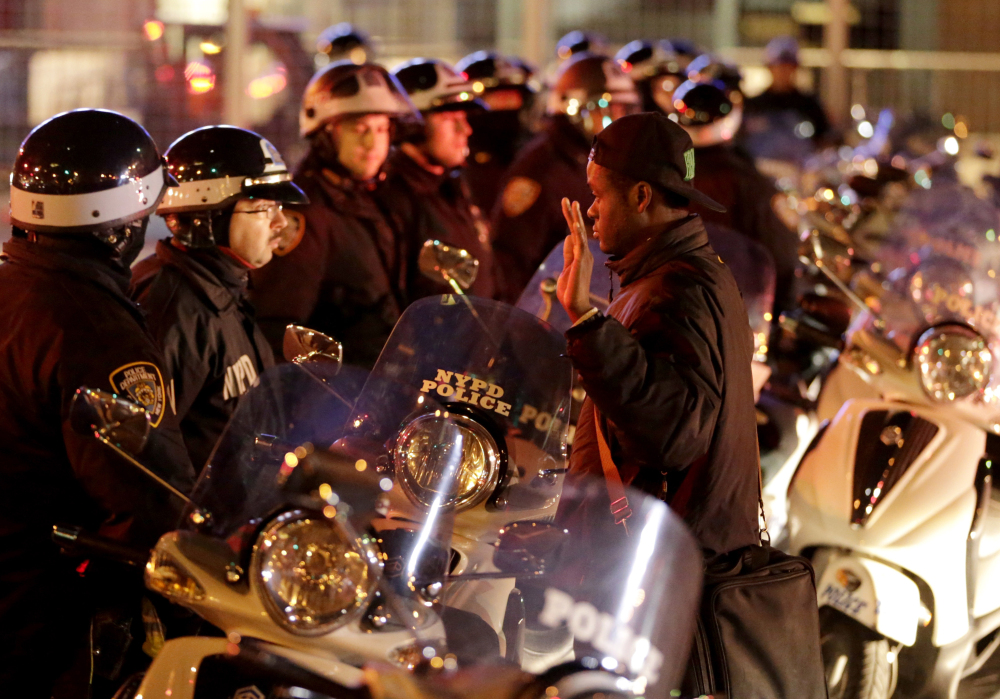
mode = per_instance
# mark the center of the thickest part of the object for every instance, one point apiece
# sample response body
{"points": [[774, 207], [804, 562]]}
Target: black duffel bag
{"points": [[758, 631]]}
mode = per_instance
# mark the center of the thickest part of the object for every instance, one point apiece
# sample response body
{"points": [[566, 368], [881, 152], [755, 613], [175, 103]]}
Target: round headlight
{"points": [[954, 362], [446, 460], [312, 574]]}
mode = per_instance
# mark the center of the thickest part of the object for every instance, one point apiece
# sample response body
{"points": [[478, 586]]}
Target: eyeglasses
{"points": [[271, 211]]}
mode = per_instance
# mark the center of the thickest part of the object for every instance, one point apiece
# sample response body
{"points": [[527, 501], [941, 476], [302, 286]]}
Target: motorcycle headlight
{"points": [[954, 362], [311, 573], [446, 460]]}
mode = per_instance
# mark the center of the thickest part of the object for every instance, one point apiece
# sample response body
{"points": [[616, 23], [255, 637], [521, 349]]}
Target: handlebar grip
{"points": [[79, 542], [805, 331]]}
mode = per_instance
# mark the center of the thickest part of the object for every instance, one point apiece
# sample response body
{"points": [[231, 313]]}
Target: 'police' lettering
{"points": [[464, 388], [603, 631]]}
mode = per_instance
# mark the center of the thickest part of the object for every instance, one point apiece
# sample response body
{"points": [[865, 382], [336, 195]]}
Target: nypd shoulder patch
{"points": [[142, 383], [519, 195]]}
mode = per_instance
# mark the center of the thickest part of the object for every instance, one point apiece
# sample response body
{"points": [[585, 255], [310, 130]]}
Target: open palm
{"points": [[573, 287]]}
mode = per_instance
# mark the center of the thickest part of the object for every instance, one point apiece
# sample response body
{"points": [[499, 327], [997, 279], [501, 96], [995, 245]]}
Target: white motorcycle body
{"points": [[893, 504]]}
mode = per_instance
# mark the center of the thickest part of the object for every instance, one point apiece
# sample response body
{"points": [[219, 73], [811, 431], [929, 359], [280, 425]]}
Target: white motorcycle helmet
{"points": [[435, 86], [344, 88]]}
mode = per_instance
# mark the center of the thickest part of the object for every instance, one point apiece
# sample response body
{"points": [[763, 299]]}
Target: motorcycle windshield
{"points": [[937, 264], [293, 412], [496, 372]]}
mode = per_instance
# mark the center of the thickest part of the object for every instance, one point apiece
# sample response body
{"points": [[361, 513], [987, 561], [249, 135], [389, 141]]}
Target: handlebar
{"points": [[79, 542]]}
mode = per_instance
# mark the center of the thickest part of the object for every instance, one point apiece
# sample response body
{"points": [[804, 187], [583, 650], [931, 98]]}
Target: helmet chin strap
{"points": [[201, 229], [126, 241]]}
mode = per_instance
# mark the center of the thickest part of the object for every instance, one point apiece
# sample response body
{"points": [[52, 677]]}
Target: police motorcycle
{"points": [[893, 499], [347, 518]]}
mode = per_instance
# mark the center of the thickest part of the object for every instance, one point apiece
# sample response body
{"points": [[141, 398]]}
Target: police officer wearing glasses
{"points": [[226, 219]]}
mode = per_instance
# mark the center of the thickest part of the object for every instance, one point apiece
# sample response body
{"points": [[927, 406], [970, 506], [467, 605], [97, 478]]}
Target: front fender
{"points": [[872, 593]]}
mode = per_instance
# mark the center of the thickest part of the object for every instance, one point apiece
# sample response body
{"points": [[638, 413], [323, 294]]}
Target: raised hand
{"points": [[573, 287]]}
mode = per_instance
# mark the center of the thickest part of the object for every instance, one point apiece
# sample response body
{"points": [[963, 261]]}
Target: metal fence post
{"points": [[835, 39], [236, 45]]}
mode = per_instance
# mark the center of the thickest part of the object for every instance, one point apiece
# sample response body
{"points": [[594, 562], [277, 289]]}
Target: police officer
{"points": [[226, 220], [783, 122], [711, 113], [343, 42], [589, 92], [507, 86], [341, 269], [425, 196], [83, 186], [656, 70]]}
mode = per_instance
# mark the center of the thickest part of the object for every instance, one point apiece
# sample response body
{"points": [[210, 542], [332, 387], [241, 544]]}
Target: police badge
{"points": [[142, 382]]}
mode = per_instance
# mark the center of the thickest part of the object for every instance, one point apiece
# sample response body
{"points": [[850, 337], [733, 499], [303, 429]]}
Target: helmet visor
{"points": [[277, 187]]}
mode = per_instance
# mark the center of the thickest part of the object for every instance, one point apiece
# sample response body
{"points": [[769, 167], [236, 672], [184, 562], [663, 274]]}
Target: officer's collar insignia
{"points": [[689, 164], [142, 383]]}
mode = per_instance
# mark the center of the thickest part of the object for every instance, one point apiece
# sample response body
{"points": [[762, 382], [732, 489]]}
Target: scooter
{"points": [[893, 501]]}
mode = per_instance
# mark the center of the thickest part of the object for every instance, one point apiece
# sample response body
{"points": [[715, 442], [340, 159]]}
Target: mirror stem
{"points": [[142, 468], [453, 284]]}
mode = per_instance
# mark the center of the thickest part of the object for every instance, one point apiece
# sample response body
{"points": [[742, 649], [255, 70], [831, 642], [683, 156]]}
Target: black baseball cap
{"points": [[649, 147]]}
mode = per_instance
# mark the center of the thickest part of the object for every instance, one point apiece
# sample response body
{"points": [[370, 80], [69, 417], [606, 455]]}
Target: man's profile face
{"points": [[610, 211], [363, 144], [783, 76], [447, 137]]}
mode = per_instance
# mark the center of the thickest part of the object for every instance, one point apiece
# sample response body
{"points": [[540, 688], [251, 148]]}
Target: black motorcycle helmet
{"points": [[655, 70], [709, 111], [343, 42], [83, 171], [592, 91], [707, 68], [217, 166], [491, 72], [578, 41], [90, 175]]}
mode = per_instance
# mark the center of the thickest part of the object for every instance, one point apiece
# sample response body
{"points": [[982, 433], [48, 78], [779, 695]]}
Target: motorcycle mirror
{"points": [[529, 547], [445, 263], [301, 345], [119, 424], [110, 417]]}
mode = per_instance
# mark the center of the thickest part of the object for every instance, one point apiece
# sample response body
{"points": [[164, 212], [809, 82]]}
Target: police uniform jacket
{"points": [[67, 322], [732, 180], [496, 139], [196, 306], [527, 221], [422, 205], [669, 371], [341, 271]]}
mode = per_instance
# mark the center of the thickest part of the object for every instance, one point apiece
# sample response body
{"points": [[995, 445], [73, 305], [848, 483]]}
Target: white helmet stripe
{"points": [[202, 194], [32, 209]]}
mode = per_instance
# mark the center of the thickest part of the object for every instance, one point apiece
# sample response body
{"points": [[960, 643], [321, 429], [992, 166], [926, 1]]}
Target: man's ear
{"points": [[643, 195]]}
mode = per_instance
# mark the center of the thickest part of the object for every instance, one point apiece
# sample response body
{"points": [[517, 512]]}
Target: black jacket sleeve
{"points": [[138, 510], [660, 384]]}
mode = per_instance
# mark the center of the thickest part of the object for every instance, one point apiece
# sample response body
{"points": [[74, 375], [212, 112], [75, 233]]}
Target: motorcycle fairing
{"points": [[930, 509]]}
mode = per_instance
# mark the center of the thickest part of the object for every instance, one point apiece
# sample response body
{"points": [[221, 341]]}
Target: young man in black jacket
{"points": [[667, 371], [226, 219]]}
